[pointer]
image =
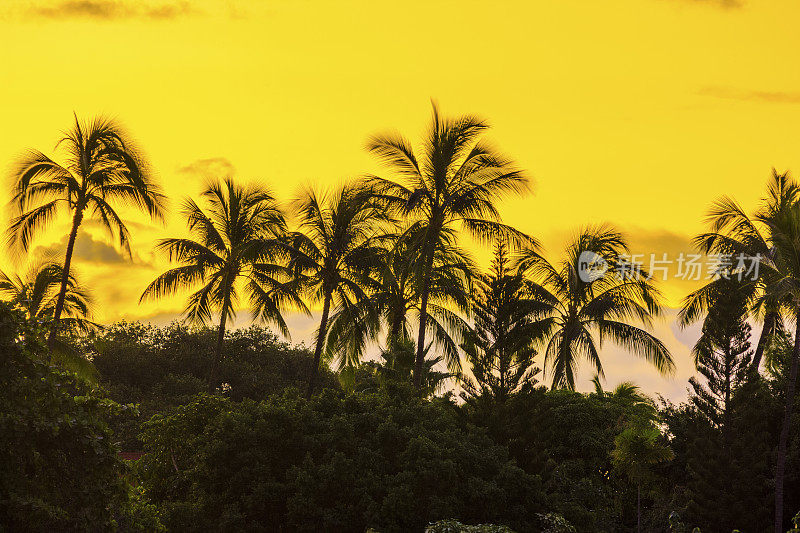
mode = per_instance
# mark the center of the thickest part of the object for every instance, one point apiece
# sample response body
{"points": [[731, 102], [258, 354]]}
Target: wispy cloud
{"points": [[725, 4], [87, 250], [213, 167], [772, 97], [111, 9]]}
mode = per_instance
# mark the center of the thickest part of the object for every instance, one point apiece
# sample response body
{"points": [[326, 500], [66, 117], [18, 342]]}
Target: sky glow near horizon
{"points": [[636, 113]]}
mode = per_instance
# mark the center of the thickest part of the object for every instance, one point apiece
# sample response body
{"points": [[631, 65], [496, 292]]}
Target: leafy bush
{"points": [[454, 526], [160, 368], [336, 462], [60, 470]]}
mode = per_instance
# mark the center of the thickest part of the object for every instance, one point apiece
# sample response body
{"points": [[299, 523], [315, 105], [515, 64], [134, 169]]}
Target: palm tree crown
{"points": [[236, 239], [394, 301], [455, 181], [102, 169], [736, 234], [579, 308], [36, 293], [335, 252]]}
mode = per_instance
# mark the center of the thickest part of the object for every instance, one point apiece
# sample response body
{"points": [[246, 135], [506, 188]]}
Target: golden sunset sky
{"points": [[637, 113]]}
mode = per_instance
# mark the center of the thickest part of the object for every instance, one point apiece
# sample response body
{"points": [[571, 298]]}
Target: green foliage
{"points": [[35, 294], [795, 524], [720, 484], [60, 468], [160, 368], [335, 462], [395, 370], [636, 450], [567, 439], [555, 523], [454, 526]]}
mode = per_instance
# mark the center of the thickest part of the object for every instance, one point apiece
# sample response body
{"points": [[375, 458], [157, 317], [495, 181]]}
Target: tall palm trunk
{"points": [[393, 336], [76, 222], [726, 423], [323, 326], [766, 334], [780, 469], [423, 318], [212, 374]]}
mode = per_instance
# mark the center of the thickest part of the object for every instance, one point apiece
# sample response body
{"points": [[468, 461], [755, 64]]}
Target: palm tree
{"points": [[636, 450], [236, 239], [770, 240], [782, 272], [334, 254], [102, 168], [501, 345], [400, 359], [394, 300], [579, 305], [735, 234], [456, 181], [36, 293]]}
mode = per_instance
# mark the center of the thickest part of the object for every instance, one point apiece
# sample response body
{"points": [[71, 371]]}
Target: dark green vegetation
{"points": [[243, 432]]}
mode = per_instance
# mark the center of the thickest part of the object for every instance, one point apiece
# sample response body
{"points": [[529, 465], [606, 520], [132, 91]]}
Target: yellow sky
{"points": [[635, 112]]}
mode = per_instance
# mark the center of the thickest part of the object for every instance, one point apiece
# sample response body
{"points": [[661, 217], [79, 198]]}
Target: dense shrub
{"points": [[162, 367], [335, 463], [454, 526], [567, 438], [60, 470]]}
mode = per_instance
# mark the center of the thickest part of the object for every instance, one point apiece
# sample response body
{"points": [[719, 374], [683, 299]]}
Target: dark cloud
{"points": [[214, 167], [87, 250], [112, 9], [771, 97]]}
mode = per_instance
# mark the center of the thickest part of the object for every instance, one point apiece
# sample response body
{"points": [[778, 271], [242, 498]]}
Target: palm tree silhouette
{"points": [[636, 451], [102, 169], [237, 239], [579, 307], [782, 275], [398, 365], [735, 234], [394, 300], [36, 293], [334, 253], [455, 182]]}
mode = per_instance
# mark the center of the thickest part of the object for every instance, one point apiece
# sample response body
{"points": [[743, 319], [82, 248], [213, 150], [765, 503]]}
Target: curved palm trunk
{"points": [[323, 326], [763, 340], [212, 374], [51, 339], [780, 469], [423, 318]]}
